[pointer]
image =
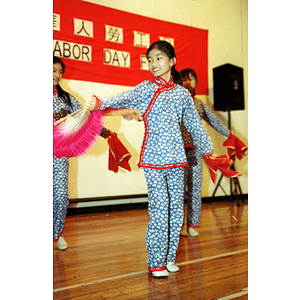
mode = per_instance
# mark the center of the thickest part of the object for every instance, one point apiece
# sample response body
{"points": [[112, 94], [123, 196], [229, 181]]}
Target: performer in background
{"points": [[193, 171], [63, 104], [164, 104]]}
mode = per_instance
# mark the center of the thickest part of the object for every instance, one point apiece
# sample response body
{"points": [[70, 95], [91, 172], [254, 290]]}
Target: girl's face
{"points": [[57, 73], [189, 83], [160, 64]]}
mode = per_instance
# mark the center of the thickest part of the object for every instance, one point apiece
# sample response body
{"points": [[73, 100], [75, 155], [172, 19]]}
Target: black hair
{"points": [[63, 95], [169, 50], [186, 73]]}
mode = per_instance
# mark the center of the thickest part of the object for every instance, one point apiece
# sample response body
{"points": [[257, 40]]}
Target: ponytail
{"points": [[176, 76], [64, 96]]}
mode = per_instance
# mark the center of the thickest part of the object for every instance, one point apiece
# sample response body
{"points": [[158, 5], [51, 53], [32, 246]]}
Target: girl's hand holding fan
{"points": [[92, 102]]}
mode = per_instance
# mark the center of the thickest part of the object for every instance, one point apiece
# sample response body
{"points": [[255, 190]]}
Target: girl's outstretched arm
{"points": [[194, 125]]}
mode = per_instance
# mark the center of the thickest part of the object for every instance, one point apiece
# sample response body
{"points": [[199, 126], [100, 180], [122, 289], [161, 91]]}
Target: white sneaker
{"points": [[163, 273], [171, 267], [159, 271], [62, 244], [193, 232]]}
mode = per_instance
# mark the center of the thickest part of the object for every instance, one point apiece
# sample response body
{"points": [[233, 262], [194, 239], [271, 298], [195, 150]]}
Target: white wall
{"points": [[227, 22]]}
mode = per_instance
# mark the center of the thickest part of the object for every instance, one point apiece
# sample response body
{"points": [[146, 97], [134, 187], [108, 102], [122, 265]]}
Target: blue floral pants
{"points": [[165, 208], [60, 194], [193, 183]]}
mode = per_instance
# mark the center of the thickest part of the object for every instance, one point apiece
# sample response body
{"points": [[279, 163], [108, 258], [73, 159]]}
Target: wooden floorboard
{"points": [[107, 259]]}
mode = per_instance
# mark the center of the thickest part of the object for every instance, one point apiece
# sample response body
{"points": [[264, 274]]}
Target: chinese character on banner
{"points": [[106, 45], [113, 34], [56, 22], [141, 39], [83, 28]]}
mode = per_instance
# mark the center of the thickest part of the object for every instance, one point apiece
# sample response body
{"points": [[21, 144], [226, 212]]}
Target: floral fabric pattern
{"points": [[61, 172], [165, 207]]}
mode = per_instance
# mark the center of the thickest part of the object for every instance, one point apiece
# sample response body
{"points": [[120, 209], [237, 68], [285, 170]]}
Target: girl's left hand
{"points": [[91, 103]]}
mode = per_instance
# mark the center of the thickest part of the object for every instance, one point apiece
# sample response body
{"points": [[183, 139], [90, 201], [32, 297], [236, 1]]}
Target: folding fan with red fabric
{"points": [[221, 163], [235, 147], [76, 140]]}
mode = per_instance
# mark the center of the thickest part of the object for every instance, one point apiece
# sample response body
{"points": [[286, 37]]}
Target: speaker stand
{"points": [[233, 181]]}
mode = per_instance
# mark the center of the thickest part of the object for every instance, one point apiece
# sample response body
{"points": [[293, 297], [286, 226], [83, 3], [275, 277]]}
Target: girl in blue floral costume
{"points": [[164, 104], [193, 172], [63, 104]]}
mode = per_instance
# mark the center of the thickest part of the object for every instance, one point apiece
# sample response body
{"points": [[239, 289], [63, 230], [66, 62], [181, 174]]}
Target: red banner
{"points": [[106, 45]]}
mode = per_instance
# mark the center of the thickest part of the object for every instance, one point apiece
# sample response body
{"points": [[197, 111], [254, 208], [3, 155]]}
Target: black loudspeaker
{"points": [[228, 88]]}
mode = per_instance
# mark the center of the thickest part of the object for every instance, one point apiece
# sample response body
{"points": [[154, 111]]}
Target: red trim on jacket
{"points": [[163, 85], [163, 167]]}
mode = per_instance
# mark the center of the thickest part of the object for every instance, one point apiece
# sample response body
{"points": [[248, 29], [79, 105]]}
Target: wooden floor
{"points": [[107, 259]]}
